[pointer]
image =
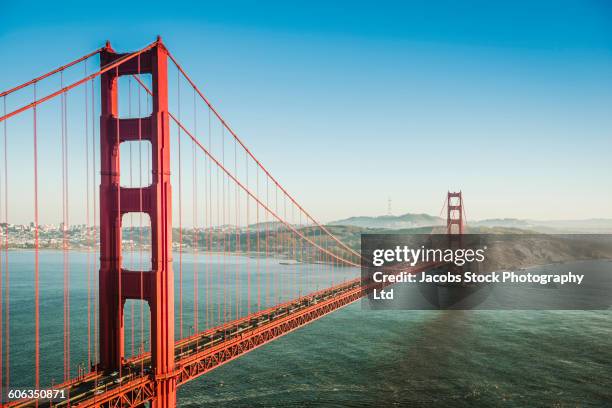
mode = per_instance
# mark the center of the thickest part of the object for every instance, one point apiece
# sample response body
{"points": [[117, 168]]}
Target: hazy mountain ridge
{"points": [[407, 220], [592, 225], [410, 220]]}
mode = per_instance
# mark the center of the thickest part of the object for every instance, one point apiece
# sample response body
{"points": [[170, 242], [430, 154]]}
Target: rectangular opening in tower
{"points": [[134, 99], [136, 165], [137, 328], [136, 241]]}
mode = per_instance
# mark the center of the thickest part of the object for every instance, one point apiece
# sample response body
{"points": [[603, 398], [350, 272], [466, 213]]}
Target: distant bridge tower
{"points": [[454, 216], [118, 284]]}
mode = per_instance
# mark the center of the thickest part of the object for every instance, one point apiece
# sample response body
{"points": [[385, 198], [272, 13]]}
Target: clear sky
{"points": [[348, 103]]}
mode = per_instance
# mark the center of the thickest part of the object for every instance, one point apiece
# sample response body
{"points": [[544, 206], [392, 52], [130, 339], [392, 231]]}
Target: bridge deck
{"points": [[209, 349], [203, 352]]}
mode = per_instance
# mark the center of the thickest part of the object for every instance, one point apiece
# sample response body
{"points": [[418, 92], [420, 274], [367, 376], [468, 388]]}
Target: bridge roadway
{"points": [[205, 351], [202, 352]]}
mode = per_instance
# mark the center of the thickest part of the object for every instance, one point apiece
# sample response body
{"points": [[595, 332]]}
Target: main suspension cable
{"points": [[226, 126]]}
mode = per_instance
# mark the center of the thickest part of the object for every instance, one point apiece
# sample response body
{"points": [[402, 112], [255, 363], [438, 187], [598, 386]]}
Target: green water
{"points": [[352, 357], [227, 285], [421, 358]]}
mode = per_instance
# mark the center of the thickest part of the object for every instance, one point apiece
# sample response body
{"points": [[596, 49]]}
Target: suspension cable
{"points": [[269, 176], [250, 193], [67, 88], [48, 74], [226, 125]]}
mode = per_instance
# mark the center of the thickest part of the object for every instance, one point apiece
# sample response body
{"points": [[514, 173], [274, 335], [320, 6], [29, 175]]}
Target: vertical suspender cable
{"points": [[267, 271], [295, 265], [131, 217], [258, 273], [209, 224], [278, 251], [119, 226], [302, 250], [228, 241], [286, 288], [220, 244], [63, 224], [140, 226], [237, 235], [149, 182], [228, 219], [7, 315], [87, 220], [223, 228], [334, 263], [64, 227], [321, 259], [36, 277], [194, 205], [248, 237], [180, 200], [93, 190], [94, 239]]}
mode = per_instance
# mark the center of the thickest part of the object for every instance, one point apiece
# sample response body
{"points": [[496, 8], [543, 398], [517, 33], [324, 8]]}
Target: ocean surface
{"points": [[353, 357], [356, 358]]}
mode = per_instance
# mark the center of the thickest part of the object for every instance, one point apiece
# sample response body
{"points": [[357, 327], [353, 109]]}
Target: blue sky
{"points": [[352, 102]]}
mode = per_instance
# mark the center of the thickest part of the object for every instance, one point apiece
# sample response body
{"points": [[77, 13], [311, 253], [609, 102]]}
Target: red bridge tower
{"points": [[454, 216], [118, 284]]}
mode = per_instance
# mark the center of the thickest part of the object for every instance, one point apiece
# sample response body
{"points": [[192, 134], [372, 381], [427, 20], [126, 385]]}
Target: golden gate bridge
{"points": [[182, 155]]}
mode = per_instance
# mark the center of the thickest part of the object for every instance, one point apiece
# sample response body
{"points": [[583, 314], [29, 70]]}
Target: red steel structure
{"points": [[118, 284], [239, 211], [454, 214]]}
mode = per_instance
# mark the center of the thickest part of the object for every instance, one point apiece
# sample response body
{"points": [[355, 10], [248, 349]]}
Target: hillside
{"points": [[593, 225], [407, 220]]}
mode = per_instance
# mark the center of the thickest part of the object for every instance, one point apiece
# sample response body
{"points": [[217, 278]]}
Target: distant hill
{"points": [[502, 222], [392, 221], [409, 221], [593, 225]]}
